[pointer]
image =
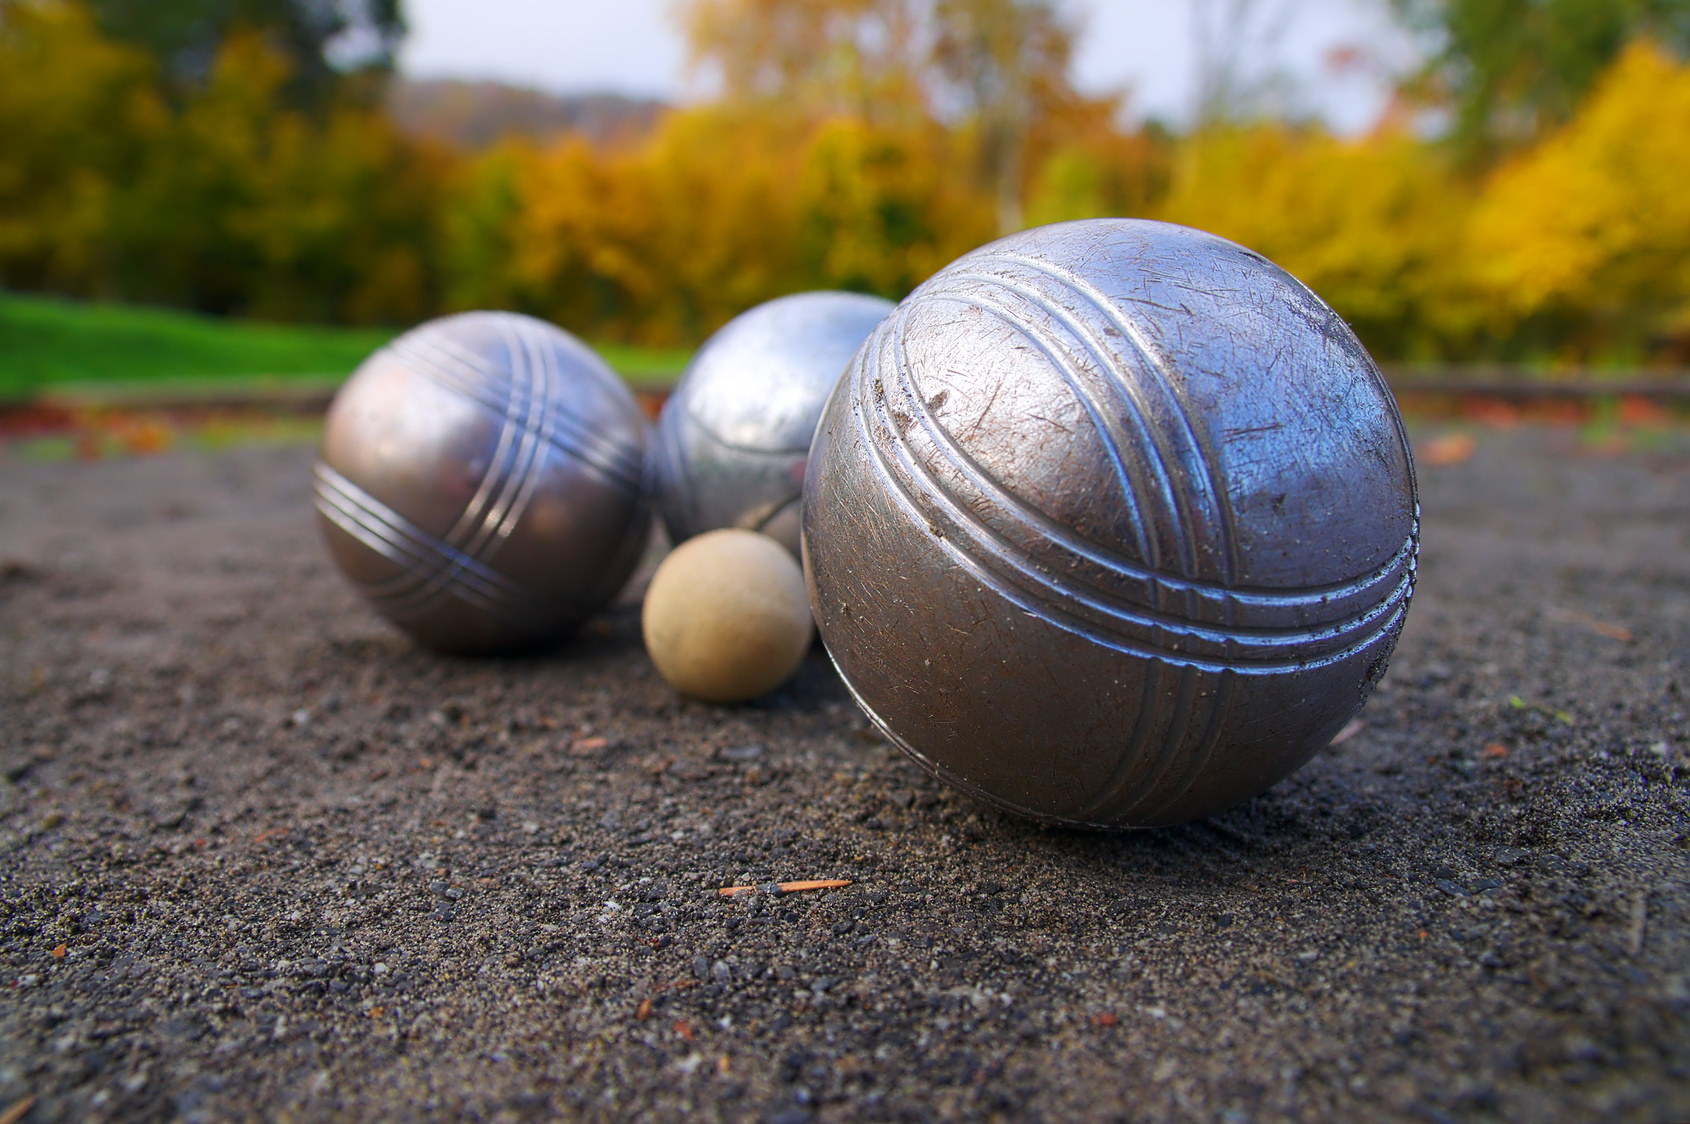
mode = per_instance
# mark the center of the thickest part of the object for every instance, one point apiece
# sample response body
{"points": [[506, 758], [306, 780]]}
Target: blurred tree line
{"points": [[235, 156]]}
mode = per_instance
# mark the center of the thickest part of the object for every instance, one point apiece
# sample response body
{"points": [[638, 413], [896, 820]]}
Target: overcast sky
{"points": [[631, 47]]}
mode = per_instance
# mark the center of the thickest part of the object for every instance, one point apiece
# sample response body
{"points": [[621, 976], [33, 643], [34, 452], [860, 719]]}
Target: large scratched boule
{"points": [[1112, 523], [733, 438], [480, 482]]}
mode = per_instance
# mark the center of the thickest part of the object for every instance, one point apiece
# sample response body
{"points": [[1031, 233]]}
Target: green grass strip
{"points": [[51, 344]]}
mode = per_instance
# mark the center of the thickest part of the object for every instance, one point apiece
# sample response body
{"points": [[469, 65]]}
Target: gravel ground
{"points": [[265, 860]]}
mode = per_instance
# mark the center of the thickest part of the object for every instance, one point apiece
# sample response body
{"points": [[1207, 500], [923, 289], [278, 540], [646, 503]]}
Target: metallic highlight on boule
{"points": [[480, 482], [733, 439], [1112, 523]]}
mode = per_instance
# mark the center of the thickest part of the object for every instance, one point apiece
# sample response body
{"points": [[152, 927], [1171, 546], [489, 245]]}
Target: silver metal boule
{"points": [[733, 438], [480, 482], [1112, 523]]}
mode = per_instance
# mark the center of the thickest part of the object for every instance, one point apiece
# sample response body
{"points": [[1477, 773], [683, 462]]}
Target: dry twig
{"points": [[787, 887], [16, 1112], [1585, 620]]}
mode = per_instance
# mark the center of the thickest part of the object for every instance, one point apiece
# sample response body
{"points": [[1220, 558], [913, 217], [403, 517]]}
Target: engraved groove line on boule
{"points": [[513, 466], [399, 541], [950, 777], [1180, 413], [1131, 488], [1018, 509], [1114, 612], [1126, 397], [447, 365], [1103, 556], [1159, 793], [1127, 764], [612, 454], [1061, 617], [750, 450], [435, 566], [477, 526], [1006, 555], [1167, 752], [537, 435]]}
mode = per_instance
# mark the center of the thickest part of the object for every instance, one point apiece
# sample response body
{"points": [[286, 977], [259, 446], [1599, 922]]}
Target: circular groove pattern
{"points": [[430, 564], [564, 426], [997, 552], [448, 364], [529, 392]]}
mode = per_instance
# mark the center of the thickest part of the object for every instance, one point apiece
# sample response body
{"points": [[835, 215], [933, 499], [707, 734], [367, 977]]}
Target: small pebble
{"points": [[742, 753]]}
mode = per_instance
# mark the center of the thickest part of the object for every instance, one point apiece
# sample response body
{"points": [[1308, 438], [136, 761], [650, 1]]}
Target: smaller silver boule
{"points": [[733, 438], [480, 482]]}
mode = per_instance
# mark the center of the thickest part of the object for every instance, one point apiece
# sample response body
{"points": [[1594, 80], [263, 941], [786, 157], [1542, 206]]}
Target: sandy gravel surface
{"points": [[261, 859]]}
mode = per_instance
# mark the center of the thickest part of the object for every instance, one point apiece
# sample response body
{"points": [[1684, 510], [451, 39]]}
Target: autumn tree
{"points": [[1510, 70], [834, 56], [320, 40], [1008, 60], [997, 69], [78, 114], [1582, 245]]}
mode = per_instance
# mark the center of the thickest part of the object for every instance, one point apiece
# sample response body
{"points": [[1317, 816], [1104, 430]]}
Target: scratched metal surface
{"points": [[1111, 523], [480, 482], [732, 442]]}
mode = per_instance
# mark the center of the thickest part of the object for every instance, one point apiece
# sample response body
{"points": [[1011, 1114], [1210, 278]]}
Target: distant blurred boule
{"points": [[726, 617], [480, 482], [734, 436]]}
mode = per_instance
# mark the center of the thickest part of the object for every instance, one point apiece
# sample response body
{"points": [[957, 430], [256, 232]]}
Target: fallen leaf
{"points": [[1452, 448], [684, 1029], [1495, 749], [645, 1010], [1106, 1019], [59, 953]]}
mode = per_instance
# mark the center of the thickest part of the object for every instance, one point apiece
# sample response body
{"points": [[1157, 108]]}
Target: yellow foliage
{"points": [[879, 209], [227, 201], [722, 209], [76, 113], [223, 198], [842, 56], [1372, 225], [298, 218], [1098, 173], [1593, 226]]}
